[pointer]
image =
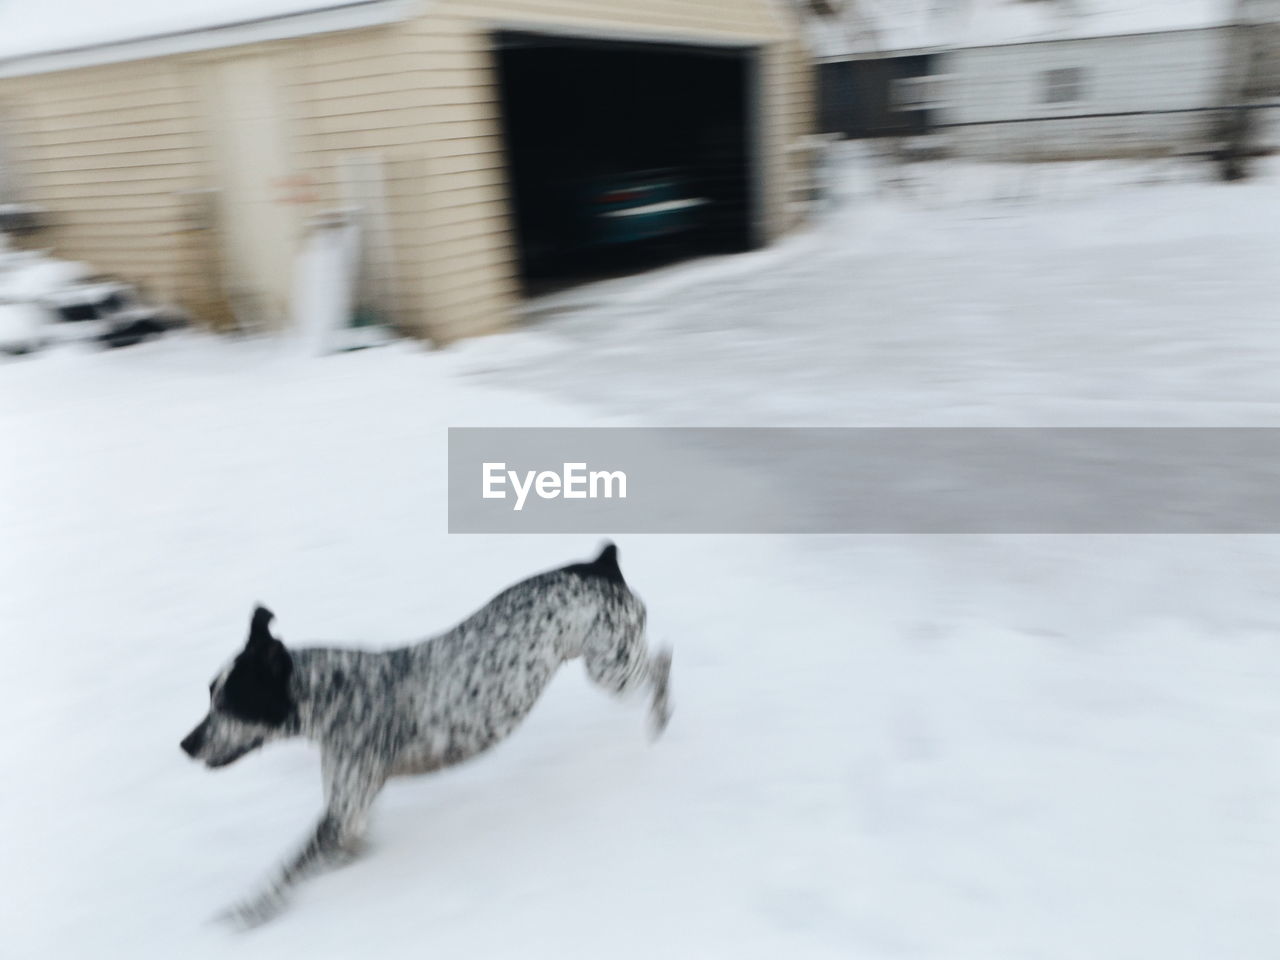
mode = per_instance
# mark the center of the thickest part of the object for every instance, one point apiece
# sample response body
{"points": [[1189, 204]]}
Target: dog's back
{"points": [[472, 685]]}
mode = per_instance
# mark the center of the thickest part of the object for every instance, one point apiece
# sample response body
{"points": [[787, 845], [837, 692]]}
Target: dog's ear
{"points": [[263, 646], [257, 689], [260, 628]]}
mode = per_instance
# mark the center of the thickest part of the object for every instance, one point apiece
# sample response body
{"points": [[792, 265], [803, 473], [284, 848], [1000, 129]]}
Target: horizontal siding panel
{"points": [[184, 259], [306, 88], [123, 219], [126, 81], [160, 174], [90, 104], [438, 42], [469, 293], [492, 210], [392, 90], [105, 207], [375, 138], [486, 112], [120, 224], [436, 77], [79, 190], [115, 161], [351, 104], [500, 258], [382, 120], [117, 123], [117, 140], [165, 265], [465, 180], [468, 61], [96, 156], [493, 237], [399, 168], [441, 148], [465, 229], [352, 69], [475, 276], [127, 244], [377, 44], [443, 200], [466, 163], [376, 104], [466, 130]]}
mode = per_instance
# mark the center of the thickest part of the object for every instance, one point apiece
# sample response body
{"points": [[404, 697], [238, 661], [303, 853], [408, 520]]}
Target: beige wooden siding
{"points": [[790, 109], [110, 151], [470, 269], [114, 152], [355, 96]]}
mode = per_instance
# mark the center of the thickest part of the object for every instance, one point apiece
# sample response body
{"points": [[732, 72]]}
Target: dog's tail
{"points": [[604, 567], [606, 564]]}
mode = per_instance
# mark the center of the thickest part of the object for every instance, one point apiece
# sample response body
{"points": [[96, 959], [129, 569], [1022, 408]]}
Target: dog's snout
{"points": [[193, 741]]}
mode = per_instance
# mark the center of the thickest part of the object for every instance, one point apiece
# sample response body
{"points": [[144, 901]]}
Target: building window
{"points": [[918, 93], [1064, 85]]}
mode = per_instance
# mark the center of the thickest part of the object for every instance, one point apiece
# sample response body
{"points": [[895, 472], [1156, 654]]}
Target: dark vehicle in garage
{"points": [[641, 205]]}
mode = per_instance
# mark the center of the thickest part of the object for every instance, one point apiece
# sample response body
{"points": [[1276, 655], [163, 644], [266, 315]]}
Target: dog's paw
{"points": [[249, 914], [660, 709], [658, 721]]}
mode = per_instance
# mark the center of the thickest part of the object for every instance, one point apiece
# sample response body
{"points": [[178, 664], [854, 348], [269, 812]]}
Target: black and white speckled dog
{"points": [[419, 708]]}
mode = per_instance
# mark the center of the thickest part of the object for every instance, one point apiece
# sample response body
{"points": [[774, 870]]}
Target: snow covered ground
{"points": [[1037, 747]]}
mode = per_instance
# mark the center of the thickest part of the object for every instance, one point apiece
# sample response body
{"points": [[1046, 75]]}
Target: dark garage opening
{"points": [[623, 156]]}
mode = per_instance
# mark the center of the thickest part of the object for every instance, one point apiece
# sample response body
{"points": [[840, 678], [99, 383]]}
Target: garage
{"points": [[501, 149], [623, 156]]}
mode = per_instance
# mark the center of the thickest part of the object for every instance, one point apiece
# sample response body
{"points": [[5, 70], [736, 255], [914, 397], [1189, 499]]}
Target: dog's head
{"points": [[249, 702]]}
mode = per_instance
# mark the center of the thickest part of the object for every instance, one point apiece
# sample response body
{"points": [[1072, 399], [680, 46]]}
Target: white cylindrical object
{"points": [[324, 286]]}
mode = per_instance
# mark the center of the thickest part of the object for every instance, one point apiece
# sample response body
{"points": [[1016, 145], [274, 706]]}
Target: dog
{"points": [[420, 708]]}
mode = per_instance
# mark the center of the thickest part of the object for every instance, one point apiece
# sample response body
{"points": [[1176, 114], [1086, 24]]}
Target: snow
{"points": [[70, 24], [888, 25], [1087, 294], [936, 747]]}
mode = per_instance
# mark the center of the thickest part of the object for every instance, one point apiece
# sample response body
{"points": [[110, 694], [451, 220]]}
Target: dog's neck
{"points": [[326, 686], [313, 687]]}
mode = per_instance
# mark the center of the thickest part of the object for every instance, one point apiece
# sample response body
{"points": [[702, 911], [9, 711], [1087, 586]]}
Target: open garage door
{"points": [[624, 156]]}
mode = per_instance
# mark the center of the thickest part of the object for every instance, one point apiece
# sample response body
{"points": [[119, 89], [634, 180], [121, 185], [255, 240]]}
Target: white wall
{"points": [[1261, 11], [1170, 71]]}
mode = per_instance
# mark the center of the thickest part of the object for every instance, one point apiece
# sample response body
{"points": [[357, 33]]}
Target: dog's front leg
{"points": [[350, 788]]}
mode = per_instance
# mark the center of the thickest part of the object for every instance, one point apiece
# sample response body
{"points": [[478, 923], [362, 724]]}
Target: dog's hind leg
{"points": [[619, 661]]}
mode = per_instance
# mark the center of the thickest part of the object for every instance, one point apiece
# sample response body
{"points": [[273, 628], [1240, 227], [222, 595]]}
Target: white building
{"points": [[1050, 79]]}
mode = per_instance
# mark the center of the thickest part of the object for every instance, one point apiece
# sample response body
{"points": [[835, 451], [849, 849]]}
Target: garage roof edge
{"points": [[351, 15]]}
